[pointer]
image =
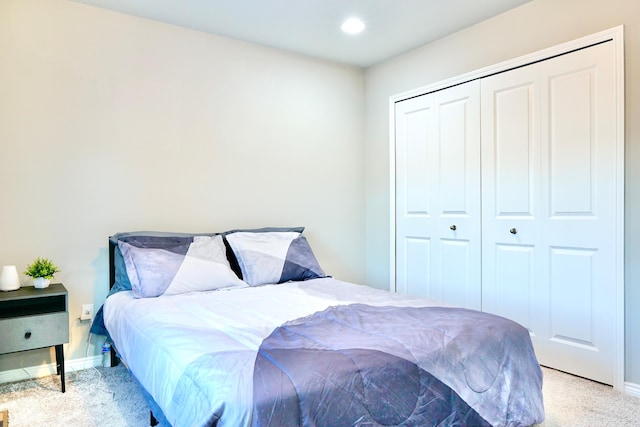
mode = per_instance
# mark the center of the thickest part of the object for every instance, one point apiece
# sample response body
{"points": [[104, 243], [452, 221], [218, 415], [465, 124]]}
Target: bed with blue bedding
{"points": [[244, 329]]}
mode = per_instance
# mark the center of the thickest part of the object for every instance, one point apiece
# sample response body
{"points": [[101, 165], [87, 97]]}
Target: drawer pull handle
{"points": [[27, 335]]}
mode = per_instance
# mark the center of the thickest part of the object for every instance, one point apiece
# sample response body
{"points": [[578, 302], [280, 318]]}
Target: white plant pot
{"points": [[40, 282]]}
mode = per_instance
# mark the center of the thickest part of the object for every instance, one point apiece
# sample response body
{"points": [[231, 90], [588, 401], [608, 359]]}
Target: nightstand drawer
{"points": [[30, 332]]}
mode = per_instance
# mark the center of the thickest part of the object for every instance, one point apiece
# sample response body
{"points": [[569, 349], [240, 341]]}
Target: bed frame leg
{"points": [[152, 420]]}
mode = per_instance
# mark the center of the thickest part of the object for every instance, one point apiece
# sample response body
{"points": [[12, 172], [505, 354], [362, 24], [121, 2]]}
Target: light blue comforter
{"points": [[325, 352]]}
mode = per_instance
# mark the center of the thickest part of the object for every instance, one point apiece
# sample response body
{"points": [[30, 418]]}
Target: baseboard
{"points": [[632, 389], [49, 369]]}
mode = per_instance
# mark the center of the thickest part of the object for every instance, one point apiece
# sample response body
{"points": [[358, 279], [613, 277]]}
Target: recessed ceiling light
{"points": [[352, 26]]}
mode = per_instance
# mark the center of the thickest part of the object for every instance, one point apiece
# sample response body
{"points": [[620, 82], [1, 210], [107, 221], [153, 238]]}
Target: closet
{"points": [[508, 200]]}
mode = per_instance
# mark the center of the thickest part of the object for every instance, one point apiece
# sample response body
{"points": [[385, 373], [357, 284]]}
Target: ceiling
{"points": [[312, 27]]}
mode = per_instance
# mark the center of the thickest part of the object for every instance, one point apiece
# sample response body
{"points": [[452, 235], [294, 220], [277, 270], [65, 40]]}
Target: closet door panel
{"points": [[452, 144], [458, 272], [572, 293], [580, 211], [511, 241], [514, 277], [414, 187], [513, 149], [415, 158], [441, 129], [413, 273], [459, 285], [571, 143]]}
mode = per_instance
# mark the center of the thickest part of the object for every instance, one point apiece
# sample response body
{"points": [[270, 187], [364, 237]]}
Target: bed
{"points": [[244, 328]]}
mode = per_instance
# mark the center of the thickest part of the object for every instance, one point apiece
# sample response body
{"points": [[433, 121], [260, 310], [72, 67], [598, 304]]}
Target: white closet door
{"points": [[438, 196], [549, 200]]}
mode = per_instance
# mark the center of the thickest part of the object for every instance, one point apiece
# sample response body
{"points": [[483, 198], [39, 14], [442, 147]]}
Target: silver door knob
{"points": [[453, 227], [513, 231]]}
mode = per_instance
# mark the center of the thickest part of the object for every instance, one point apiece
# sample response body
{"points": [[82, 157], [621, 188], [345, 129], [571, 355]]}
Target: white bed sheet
{"points": [[159, 337]]}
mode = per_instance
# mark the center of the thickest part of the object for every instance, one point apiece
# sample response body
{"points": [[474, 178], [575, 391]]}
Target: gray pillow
{"points": [[161, 271], [274, 257]]}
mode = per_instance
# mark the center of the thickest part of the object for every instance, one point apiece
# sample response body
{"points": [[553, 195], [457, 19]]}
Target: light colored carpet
{"points": [[576, 402], [110, 397], [94, 397]]}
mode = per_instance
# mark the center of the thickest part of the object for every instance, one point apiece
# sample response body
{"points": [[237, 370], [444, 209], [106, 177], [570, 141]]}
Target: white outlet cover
{"points": [[87, 312]]}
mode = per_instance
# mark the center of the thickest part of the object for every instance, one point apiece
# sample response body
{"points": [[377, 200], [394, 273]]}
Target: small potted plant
{"points": [[42, 270]]}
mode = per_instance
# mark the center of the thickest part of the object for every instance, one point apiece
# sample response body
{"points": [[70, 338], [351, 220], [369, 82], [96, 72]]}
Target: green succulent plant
{"points": [[41, 267]]}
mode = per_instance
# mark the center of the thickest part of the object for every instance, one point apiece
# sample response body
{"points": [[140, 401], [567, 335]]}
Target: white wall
{"points": [[113, 123], [531, 27]]}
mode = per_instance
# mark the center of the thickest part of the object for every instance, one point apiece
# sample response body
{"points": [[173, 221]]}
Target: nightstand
{"points": [[33, 318]]}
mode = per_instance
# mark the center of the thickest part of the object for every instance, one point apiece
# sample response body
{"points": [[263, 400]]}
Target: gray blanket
{"points": [[360, 365]]}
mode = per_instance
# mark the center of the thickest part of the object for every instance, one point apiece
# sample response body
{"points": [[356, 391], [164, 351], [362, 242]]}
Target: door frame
{"points": [[614, 35]]}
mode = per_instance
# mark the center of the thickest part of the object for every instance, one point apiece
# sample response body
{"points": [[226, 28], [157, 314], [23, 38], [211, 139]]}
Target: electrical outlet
{"points": [[87, 312]]}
